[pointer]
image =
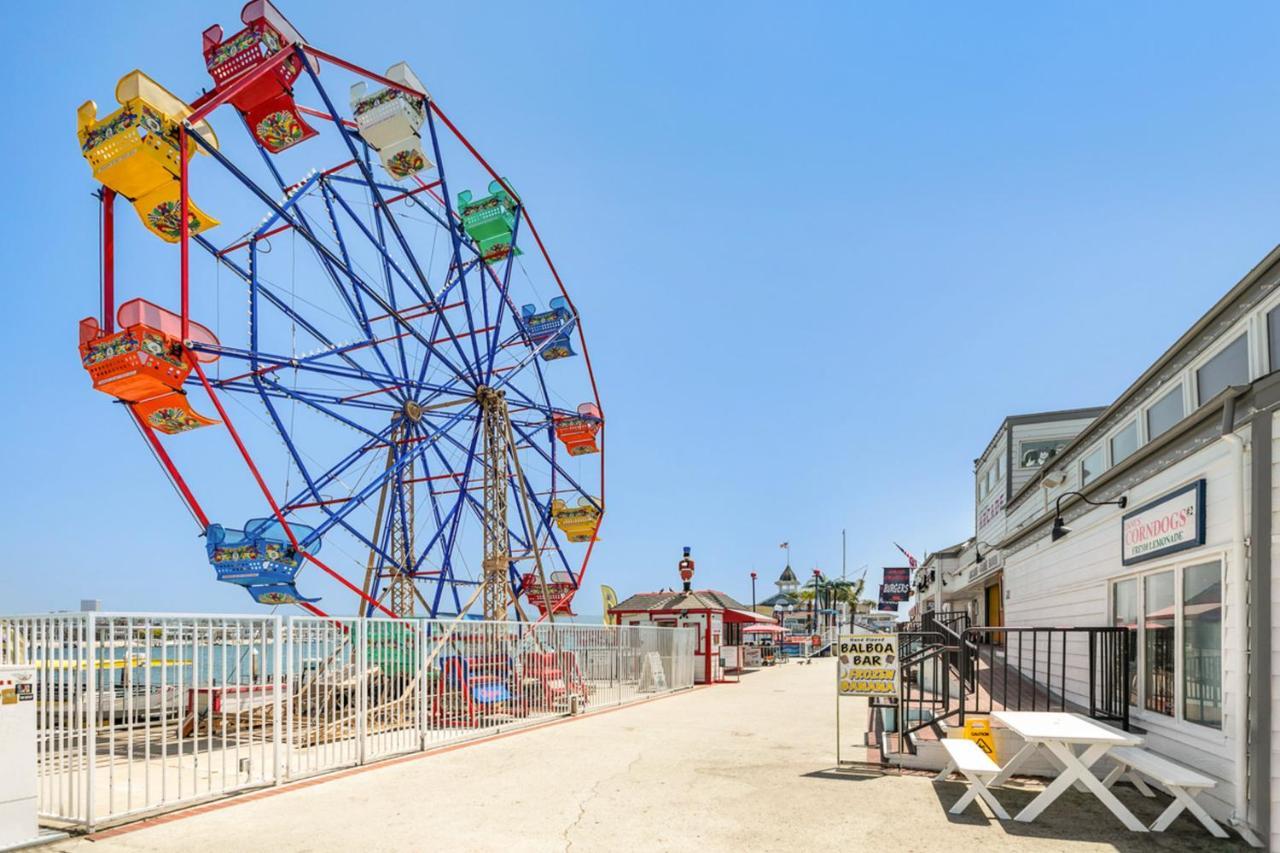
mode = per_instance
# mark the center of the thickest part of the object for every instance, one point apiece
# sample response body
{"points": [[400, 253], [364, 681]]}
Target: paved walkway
{"points": [[734, 767]]}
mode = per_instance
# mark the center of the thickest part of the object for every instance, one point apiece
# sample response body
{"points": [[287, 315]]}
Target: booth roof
{"points": [[699, 599]]}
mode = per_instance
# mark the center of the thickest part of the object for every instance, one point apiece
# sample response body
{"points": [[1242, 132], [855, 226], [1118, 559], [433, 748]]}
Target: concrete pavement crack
{"points": [[591, 795]]}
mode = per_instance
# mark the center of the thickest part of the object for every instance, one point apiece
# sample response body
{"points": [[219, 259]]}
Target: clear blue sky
{"points": [[821, 251]]}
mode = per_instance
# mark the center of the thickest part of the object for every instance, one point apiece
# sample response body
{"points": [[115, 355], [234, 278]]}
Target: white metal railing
{"points": [[144, 713]]}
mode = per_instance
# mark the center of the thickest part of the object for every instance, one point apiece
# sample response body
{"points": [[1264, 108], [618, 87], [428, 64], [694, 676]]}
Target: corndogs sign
{"points": [[868, 665], [1168, 524]]}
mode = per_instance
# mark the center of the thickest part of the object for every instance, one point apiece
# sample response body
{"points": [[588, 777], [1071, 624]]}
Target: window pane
{"points": [[1158, 645], [1229, 367], [1202, 644], [1165, 413], [1124, 443], [1092, 465], [1124, 610], [1035, 453]]}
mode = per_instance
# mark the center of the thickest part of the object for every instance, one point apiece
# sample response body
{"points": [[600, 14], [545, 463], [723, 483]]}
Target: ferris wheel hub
{"points": [[487, 396], [413, 410]]}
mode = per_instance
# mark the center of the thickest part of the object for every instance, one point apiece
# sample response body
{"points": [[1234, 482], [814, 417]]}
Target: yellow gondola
{"points": [[579, 522], [134, 151]]}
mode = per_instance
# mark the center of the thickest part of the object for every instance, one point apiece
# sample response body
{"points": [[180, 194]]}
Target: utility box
{"points": [[17, 756]]}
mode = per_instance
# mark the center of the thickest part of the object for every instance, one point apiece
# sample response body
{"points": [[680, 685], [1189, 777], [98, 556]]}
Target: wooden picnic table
{"points": [[1060, 734]]}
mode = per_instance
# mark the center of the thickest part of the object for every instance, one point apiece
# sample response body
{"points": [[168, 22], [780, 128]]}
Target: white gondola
{"points": [[389, 120]]}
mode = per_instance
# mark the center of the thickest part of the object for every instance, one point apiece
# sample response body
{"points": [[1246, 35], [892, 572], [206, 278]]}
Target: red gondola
{"points": [[267, 104]]}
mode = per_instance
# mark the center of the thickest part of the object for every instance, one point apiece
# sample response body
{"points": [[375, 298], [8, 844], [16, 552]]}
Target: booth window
{"points": [[1124, 443], [1165, 412], [1228, 367], [1124, 614], [1202, 644], [1093, 465], [1158, 644]]}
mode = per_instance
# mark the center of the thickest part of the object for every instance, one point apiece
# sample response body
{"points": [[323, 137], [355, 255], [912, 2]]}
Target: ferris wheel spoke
{"points": [[324, 410], [503, 289], [312, 485], [247, 387], [378, 244], [354, 302], [450, 537], [310, 365], [260, 288], [313, 489], [355, 501], [382, 209], [356, 280], [359, 499], [545, 526]]}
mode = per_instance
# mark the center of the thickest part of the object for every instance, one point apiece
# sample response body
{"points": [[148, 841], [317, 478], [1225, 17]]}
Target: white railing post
{"points": [[362, 687], [279, 685], [423, 687], [91, 724]]}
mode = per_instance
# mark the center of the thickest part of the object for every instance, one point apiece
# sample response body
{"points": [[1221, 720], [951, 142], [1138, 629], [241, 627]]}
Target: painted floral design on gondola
{"points": [[126, 119], [157, 346], [106, 348], [386, 96], [405, 163], [556, 351], [232, 47], [166, 218], [279, 130], [172, 420]]}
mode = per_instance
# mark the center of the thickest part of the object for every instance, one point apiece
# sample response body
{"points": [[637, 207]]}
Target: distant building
{"points": [[787, 596]]}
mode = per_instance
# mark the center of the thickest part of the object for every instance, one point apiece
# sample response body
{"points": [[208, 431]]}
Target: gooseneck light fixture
{"points": [[1060, 529]]}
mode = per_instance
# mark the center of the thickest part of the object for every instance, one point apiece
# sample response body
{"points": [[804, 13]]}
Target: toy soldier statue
{"points": [[686, 570]]}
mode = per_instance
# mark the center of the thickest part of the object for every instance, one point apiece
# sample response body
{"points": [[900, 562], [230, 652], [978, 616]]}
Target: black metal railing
{"points": [[948, 669], [1082, 670], [927, 679], [953, 622]]}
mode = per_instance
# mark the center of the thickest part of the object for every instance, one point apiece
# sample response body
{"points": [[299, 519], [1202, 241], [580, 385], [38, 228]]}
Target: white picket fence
{"points": [[142, 713]]}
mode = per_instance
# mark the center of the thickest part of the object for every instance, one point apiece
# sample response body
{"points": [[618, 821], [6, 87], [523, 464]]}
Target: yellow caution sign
{"points": [[978, 730]]}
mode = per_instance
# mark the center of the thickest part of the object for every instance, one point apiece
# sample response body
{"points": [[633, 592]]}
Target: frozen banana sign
{"points": [[868, 665]]}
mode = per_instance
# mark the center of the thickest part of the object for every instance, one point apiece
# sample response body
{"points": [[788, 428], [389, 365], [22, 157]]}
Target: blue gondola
{"points": [[554, 324], [260, 558]]}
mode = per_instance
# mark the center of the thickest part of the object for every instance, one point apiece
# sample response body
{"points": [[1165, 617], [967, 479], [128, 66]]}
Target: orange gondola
{"points": [[579, 433], [145, 363]]}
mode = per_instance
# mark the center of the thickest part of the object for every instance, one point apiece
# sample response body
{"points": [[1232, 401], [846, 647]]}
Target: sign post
{"points": [[866, 665]]}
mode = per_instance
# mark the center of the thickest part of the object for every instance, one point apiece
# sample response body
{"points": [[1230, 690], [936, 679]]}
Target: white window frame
{"points": [[1158, 396], [1224, 341], [1139, 712], [1142, 439], [1105, 447]]}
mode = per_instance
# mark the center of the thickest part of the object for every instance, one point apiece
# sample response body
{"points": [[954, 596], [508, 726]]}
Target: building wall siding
{"points": [[1275, 626], [1048, 430], [1066, 584]]}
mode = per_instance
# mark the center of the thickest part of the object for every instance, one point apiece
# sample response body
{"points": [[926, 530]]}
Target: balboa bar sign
{"points": [[1168, 524]]}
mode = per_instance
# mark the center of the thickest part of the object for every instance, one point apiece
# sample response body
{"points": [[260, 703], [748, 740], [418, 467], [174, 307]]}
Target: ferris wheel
{"points": [[407, 388]]}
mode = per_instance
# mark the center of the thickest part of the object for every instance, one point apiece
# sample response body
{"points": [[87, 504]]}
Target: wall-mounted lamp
{"points": [[1060, 529], [1053, 479], [978, 556]]}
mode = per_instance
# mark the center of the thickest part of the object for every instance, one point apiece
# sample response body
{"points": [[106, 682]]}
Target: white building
{"points": [[970, 571], [1187, 563]]}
